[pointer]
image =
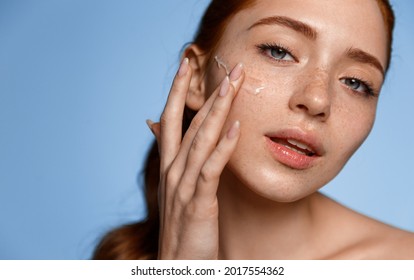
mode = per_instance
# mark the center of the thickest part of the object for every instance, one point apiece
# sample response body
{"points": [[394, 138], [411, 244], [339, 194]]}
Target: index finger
{"points": [[172, 116]]}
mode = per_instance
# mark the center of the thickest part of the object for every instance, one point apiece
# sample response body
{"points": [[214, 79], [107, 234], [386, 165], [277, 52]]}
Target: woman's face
{"points": [[314, 69]]}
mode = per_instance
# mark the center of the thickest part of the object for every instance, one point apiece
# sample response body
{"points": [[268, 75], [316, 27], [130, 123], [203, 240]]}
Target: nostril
{"points": [[302, 107], [314, 102], [321, 115]]}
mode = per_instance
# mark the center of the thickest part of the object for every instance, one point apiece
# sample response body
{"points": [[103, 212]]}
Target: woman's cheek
{"points": [[352, 121]]}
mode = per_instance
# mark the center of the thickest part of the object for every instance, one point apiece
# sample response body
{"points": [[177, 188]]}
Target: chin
{"points": [[277, 183]]}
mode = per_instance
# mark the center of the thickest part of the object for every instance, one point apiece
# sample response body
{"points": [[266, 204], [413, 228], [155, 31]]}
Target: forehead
{"points": [[339, 23]]}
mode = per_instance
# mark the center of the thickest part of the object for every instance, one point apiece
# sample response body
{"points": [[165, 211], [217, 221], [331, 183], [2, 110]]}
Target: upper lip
{"points": [[308, 138]]}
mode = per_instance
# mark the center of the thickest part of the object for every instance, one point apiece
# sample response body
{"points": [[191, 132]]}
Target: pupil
{"points": [[278, 53], [354, 83]]}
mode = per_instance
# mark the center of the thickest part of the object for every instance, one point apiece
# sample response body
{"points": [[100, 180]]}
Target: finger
{"points": [[204, 142], [156, 131], [172, 116], [172, 176], [169, 130], [174, 173], [200, 118], [207, 182], [155, 128], [207, 136], [179, 164]]}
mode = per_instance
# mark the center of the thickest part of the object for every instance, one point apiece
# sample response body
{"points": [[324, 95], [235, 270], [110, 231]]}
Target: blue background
{"points": [[77, 81]]}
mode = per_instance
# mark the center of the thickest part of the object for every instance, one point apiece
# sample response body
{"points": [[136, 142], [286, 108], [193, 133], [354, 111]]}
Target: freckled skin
{"points": [[269, 210], [314, 79], [254, 85]]}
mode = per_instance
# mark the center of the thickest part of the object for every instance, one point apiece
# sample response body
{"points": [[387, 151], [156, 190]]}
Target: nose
{"points": [[313, 97]]}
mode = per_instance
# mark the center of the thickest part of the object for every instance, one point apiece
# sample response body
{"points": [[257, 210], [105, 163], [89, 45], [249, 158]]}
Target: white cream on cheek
{"points": [[252, 86], [259, 90], [222, 64]]}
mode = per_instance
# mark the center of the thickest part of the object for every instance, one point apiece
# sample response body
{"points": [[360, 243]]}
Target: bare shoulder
{"points": [[390, 243], [362, 237]]}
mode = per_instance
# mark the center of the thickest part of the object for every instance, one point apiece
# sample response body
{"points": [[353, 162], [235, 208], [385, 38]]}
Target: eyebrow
{"points": [[308, 31], [364, 57], [296, 25]]}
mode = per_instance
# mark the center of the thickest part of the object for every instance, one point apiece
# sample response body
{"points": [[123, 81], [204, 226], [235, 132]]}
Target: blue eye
{"points": [[276, 52], [279, 53], [359, 86]]}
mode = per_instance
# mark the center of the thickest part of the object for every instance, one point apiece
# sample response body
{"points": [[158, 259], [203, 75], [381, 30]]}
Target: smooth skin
{"points": [[223, 195]]}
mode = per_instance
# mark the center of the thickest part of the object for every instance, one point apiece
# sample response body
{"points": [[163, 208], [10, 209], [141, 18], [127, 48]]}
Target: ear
{"points": [[198, 60]]}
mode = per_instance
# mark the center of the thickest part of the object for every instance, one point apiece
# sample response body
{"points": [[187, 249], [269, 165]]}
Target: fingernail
{"points": [[236, 72], [234, 130], [224, 87], [150, 123], [183, 67]]}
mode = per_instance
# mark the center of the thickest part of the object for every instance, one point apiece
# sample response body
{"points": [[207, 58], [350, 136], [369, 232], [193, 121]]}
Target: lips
{"points": [[295, 148]]}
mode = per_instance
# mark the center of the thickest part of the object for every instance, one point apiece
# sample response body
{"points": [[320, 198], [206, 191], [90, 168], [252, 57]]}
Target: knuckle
{"points": [[196, 123], [197, 142], [164, 119], [202, 141], [172, 177], [220, 150], [206, 137], [208, 174], [215, 111], [182, 196]]}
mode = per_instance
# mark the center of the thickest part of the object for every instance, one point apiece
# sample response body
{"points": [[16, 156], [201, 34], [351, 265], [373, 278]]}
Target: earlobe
{"points": [[196, 95]]}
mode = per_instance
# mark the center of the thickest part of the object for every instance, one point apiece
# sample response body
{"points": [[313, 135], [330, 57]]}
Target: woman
{"points": [[277, 96]]}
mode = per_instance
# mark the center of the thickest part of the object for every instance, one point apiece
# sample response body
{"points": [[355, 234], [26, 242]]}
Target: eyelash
{"points": [[370, 92], [264, 48]]}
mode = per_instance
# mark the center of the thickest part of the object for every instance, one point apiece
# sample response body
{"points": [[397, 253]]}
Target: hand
{"points": [[191, 166]]}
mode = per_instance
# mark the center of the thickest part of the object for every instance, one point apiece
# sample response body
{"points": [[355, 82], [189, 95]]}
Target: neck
{"points": [[253, 227]]}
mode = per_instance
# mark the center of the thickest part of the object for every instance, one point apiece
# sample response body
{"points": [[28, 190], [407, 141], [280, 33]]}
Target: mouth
{"points": [[295, 149], [295, 145]]}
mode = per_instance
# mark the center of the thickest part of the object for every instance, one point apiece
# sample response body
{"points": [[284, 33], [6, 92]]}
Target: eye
{"points": [[279, 53], [358, 85], [276, 52]]}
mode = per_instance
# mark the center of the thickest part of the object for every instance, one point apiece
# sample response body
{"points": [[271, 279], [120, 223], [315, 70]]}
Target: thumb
{"points": [[155, 129]]}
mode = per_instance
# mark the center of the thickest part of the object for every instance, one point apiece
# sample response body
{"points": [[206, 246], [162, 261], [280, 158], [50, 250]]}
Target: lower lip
{"points": [[289, 157]]}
